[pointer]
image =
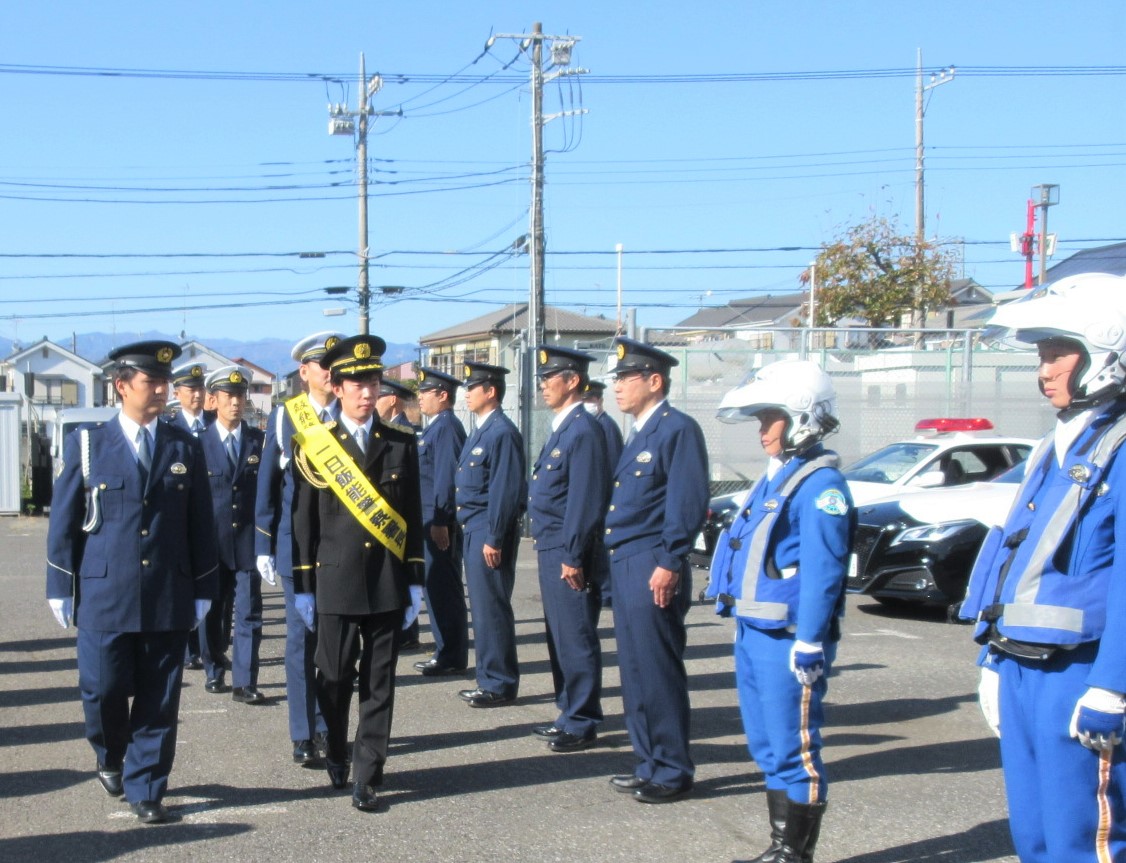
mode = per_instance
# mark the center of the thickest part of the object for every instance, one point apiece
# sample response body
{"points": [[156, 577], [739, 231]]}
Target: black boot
{"points": [[776, 808], [803, 826]]}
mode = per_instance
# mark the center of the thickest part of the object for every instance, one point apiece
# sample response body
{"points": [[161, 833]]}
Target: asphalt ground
{"points": [[914, 772]]}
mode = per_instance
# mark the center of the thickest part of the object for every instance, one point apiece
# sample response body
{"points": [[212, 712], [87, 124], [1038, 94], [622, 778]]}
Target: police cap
{"points": [[312, 348], [355, 356], [635, 356], [475, 374], [594, 388], [550, 360], [230, 379], [432, 379], [189, 375], [154, 357], [394, 388]]}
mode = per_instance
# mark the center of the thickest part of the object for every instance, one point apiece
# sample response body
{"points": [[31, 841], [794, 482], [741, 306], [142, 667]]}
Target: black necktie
{"points": [[144, 451], [232, 453]]}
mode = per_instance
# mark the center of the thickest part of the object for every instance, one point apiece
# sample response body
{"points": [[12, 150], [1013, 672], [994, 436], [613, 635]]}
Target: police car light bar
{"points": [[954, 424]]}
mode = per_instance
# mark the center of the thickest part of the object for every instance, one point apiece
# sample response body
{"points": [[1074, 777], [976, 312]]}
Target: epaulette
{"points": [[399, 427], [307, 470]]}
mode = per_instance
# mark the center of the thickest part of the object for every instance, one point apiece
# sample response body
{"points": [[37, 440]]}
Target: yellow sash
{"points": [[345, 478]]}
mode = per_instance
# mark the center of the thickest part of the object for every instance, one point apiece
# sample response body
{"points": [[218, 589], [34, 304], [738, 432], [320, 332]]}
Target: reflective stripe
{"points": [[762, 610], [1050, 616], [756, 556], [1024, 610]]}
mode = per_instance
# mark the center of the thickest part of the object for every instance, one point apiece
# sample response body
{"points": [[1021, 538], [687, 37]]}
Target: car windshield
{"points": [[890, 463]]}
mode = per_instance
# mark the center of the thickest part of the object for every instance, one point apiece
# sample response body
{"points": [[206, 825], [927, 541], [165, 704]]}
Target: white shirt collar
{"points": [[351, 427], [557, 420], [643, 418], [1068, 431], [482, 420], [130, 428], [224, 432]]}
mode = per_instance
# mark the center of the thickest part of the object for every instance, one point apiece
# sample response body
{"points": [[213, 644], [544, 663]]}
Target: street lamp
{"points": [[1048, 195]]}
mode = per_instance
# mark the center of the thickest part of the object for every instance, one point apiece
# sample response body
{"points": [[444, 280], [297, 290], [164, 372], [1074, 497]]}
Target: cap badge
{"points": [[422, 376], [331, 342], [164, 355], [197, 371], [362, 351], [235, 377], [621, 351], [468, 371], [543, 358], [1079, 473]]}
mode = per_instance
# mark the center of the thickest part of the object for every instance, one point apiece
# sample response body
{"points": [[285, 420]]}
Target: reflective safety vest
{"points": [[743, 573], [1044, 577]]}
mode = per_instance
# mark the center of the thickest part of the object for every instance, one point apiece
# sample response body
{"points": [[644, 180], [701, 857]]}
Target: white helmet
{"points": [[1089, 308], [798, 388]]}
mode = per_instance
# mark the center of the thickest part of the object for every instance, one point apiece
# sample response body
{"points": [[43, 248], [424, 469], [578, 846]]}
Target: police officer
{"points": [[188, 387], [780, 568], [392, 402], [1047, 591], [273, 539], [657, 506], [593, 401], [438, 451], [358, 565], [490, 494], [131, 561], [567, 497], [233, 451]]}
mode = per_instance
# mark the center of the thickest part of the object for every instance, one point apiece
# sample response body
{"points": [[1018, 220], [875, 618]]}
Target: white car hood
{"points": [[986, 502]]}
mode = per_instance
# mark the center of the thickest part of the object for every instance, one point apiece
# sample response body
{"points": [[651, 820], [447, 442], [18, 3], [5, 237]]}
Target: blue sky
{"points": [[171, 176]]}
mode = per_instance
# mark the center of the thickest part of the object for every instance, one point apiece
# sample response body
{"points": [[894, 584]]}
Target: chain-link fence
{"points": [[882, 391]]}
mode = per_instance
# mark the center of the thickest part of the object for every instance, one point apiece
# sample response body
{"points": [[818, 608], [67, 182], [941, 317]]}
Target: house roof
{"points": [[514, 317], [59, 349], [749, 312], [1101, 259]]}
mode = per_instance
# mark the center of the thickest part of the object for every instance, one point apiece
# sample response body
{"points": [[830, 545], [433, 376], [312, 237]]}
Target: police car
{"points": [[918, 549], [946, 452]]}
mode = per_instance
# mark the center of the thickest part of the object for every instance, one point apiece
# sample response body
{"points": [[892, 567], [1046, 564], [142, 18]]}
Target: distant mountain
{"points": [[271, 354]]}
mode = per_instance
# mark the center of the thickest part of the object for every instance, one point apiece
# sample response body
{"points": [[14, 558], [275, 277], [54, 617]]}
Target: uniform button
{"points": [[144, 503], [144, 563], [103, 485], [611, 507], [608, 530], [637, 473], [459, 509], [144, 533], [611, 550], [234, 524], [234, 488], [234, 506], [535, 476], [394, 475], [616, 483], [367, 545]]}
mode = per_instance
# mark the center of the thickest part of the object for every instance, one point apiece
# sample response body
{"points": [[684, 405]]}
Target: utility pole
{"points": [[1049, 194], [343, 122], [560, 47], [943, 76]]}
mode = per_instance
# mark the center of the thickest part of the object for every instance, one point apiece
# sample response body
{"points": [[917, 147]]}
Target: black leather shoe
{"points": [[304, 752], [469, 694], [215, 685], [654, 792], [363, 797], [150, 812], [337, 774], [567, 742], [434, 668], [627, 783], [484, 698], [247, 695], [549, 732], [111, 780]]}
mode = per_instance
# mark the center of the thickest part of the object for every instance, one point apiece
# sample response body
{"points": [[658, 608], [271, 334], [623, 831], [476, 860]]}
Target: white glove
{"points": [[1099, 719], [807, 661], [63, 609], [410, 613], [987, 699], [265, 564], [202, 606], [306, 605]]}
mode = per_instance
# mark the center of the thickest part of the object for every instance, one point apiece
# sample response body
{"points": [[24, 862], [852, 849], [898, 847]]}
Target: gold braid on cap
{"points": [[307, 470]]}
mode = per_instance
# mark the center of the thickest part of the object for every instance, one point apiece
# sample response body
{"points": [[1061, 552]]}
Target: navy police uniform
{"points": [[439, 449], [1048, 594], [780, 568], [233, 471], [134, 550], [490, 493], [657, 507], [567, 498], [361, 587], [612, 434], [273, 536]]}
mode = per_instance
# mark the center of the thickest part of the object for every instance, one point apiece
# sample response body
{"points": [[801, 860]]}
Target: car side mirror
{"points": [[929, 479]]}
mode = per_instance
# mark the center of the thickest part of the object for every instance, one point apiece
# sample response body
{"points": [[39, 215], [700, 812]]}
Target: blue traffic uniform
{"points": [[234, 491], [780, 568], [658, 502], [567, 497], [439, 449], [134, 551], [1048, 595], [490, 493], [273, 535]]}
